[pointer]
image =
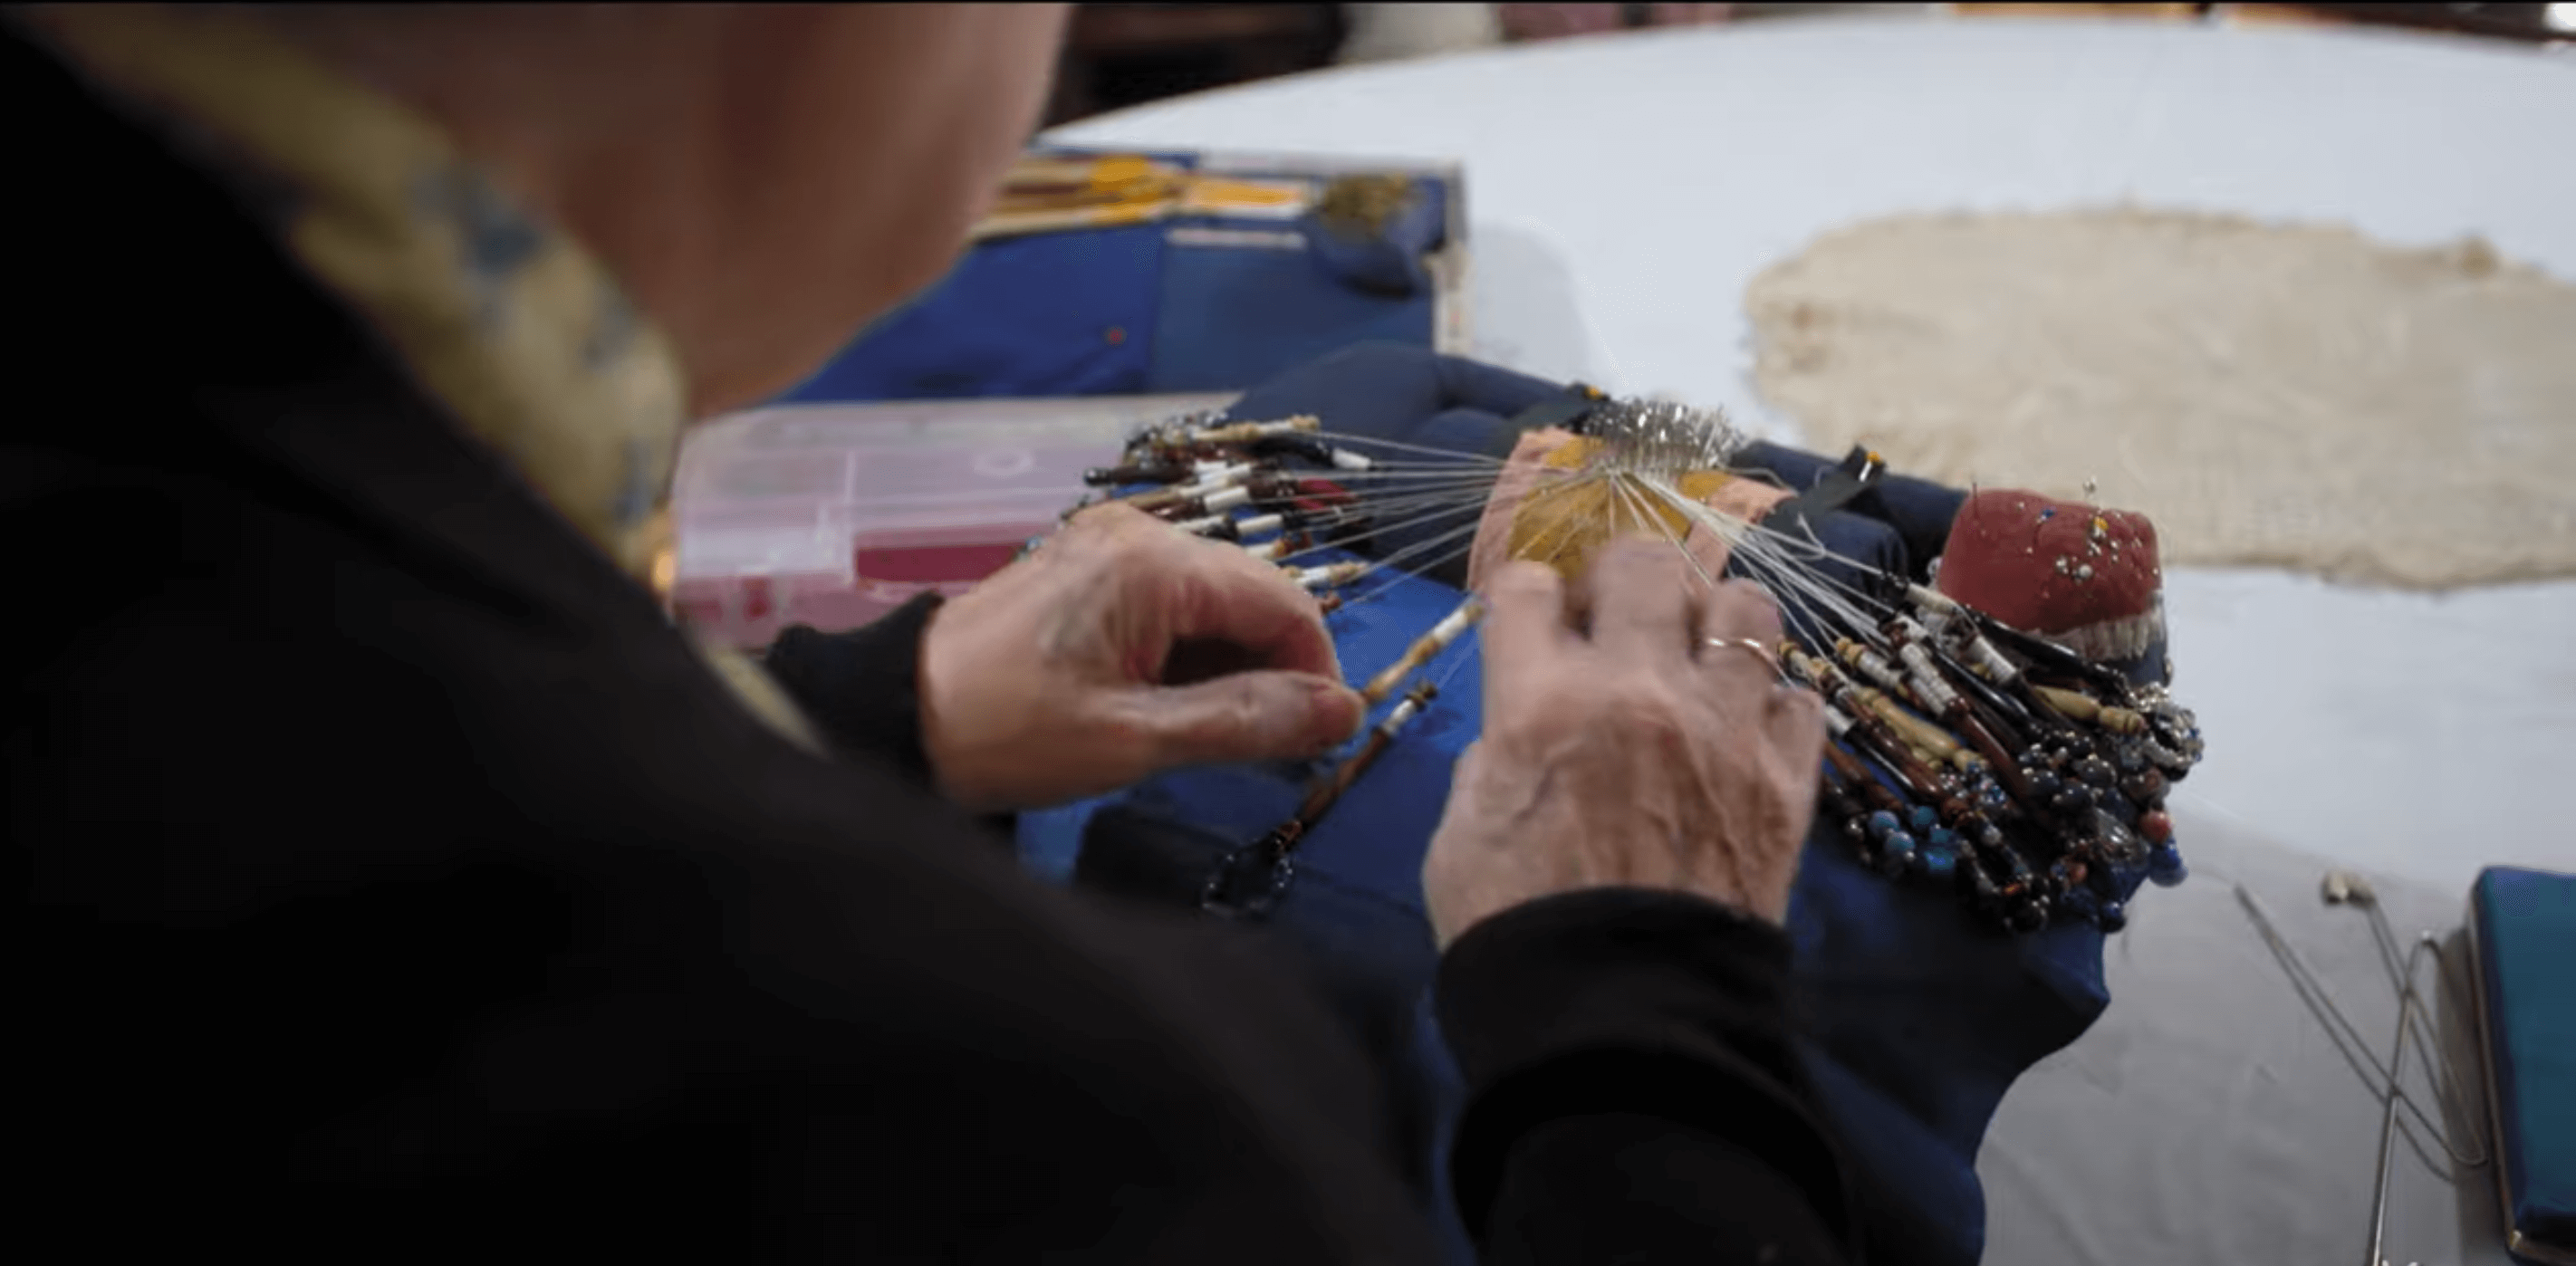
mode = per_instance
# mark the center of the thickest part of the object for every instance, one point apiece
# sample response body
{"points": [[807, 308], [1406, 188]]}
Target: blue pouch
{"points": [[1148, 309]]}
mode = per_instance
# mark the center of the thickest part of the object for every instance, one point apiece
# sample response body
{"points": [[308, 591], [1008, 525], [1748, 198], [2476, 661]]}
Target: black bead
{"points": [[2030, 914]]}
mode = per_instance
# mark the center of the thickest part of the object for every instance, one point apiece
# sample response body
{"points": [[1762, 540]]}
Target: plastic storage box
{"points": [[832, 515]]}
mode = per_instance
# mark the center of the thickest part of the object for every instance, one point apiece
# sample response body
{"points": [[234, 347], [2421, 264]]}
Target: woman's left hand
{"points": [[1121, 648]]}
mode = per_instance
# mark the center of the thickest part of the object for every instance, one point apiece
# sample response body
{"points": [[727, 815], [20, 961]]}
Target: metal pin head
{"points": [[1661, 438], [2344, 887]]}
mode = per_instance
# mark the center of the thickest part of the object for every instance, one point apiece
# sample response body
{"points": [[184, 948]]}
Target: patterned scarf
{"points": [[525, 339]]}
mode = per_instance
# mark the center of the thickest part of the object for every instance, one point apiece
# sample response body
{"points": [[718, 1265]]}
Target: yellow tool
{"points": [[1046, 194]]}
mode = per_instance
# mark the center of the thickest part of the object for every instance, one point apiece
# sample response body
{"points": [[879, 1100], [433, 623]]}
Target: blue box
{"points": [[1191, 303], [2522, 925]]}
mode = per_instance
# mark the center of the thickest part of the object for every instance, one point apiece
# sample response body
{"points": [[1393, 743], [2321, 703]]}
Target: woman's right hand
{"points": [[1623, 748]]}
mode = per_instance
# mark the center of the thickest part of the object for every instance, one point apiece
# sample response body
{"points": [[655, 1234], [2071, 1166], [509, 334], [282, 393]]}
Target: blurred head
{"points": [[764, 179]]}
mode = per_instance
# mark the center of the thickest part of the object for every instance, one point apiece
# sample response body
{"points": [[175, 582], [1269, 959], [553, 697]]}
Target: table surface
{"points": [[1623, 189]]}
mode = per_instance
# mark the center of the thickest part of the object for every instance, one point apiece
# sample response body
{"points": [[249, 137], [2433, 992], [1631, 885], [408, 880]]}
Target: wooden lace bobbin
{"points": [[1326, 576], [1922, 686], [1450, 628], [1926, 660], [1931, 742], [2076, 706], [2002, 709], [1973, 847], [1952, 707], [1251, 879], [1139, 473], [1871, 732]]}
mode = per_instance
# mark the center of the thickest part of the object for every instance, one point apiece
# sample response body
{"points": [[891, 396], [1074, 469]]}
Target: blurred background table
{"points": [[1623, 188], [1119, 55]]}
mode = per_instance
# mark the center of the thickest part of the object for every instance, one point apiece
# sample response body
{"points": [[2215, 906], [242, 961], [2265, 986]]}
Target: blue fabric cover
{"points": [[1056, 314], [1128, 311], [1916, 1017], [2526, 955]]}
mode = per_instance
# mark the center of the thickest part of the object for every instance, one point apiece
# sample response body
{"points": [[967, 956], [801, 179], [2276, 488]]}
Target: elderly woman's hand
{"points": [[1634, 755], [1119, 649]]}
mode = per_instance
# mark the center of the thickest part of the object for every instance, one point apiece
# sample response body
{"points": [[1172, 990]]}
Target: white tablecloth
{"points": [[1623, 189]]}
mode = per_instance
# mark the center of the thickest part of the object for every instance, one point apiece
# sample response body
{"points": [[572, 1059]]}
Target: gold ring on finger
{"points": [[1746, 644]]}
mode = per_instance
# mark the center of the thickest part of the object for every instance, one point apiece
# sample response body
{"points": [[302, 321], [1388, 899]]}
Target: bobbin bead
{"points": [[2095, 770], [2044, 784], [2079, 903], [1937, 863], [1922, 818], [2156, 825], [1894, 852], [2164, 866], [2029, 914], [1974, 883], [1883, 824], [2112, 916], [2058, 879]]}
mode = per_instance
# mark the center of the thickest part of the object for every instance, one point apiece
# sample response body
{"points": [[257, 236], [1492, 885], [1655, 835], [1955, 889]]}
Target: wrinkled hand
{"points": [[1634, 755], [1119, 649]]}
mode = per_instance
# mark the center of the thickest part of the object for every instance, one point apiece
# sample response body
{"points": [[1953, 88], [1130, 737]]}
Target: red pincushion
{"points": [[2052, 567]]}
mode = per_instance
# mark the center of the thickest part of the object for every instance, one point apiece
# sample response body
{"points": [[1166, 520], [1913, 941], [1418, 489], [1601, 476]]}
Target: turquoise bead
{"points": [[1894, 852]]}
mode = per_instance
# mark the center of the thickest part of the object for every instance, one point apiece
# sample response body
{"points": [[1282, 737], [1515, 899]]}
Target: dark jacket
{"points": [[398, 881]]}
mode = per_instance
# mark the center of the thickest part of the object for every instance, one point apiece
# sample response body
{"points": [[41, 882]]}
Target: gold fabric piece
{"points": [[1550, 519], [1562, 525]]}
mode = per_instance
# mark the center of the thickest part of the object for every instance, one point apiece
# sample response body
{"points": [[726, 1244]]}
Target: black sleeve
{"points": [[1632, 1093], [862, 686]]}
